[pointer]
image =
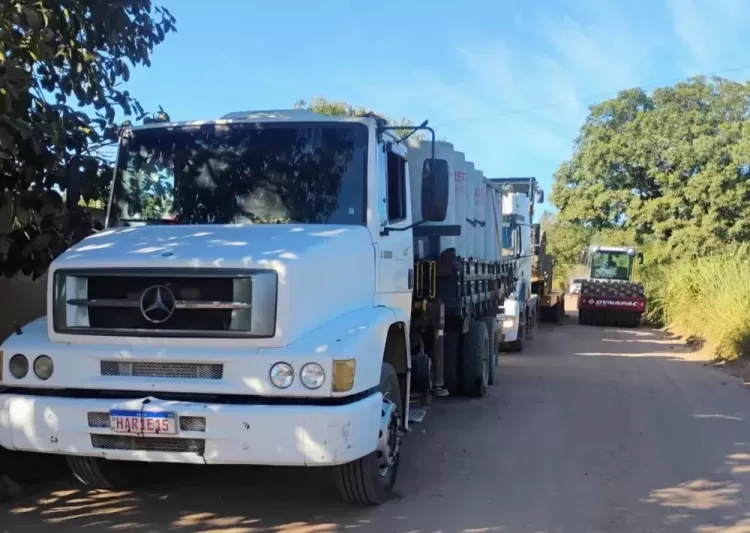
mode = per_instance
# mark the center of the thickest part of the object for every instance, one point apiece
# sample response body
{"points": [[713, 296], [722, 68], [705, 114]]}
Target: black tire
{"points": [[633, 320], [494, 334], [99, 473], [531, 323], [360, 482], [560, 312], [451, 351], [32, 467], [475, 360]]}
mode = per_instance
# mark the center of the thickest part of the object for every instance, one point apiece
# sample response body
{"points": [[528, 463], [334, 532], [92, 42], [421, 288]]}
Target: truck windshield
{"points": [[304, 173], [606, 265]]}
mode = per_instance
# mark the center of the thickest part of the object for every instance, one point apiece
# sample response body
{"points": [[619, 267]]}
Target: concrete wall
{"points": [[21, 298]]}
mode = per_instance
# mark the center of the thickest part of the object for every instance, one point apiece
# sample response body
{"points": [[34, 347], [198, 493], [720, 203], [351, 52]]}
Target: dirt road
{"points": [[591, 430]]}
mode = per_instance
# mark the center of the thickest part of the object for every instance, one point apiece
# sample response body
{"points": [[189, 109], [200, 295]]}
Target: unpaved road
{"points": [[591, 430]]}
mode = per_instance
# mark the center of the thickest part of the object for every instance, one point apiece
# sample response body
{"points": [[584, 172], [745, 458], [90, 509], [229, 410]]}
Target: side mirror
{"points": [[640, 258], [539, 196], [582, 257], [435, 186]]}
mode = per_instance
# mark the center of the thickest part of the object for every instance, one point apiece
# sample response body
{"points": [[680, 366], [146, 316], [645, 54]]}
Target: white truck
{"points": [[271, 288], [520, 312]]}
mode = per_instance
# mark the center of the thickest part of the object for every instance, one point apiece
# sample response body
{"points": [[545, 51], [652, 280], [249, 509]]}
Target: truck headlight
{"points": [[282, 375], [18, 366], [312, 376], [43, 367], [508, 323]]}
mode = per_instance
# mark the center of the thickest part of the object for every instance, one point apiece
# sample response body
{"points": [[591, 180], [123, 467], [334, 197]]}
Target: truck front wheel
{"points": [[494, 333], [99, 473], [370, 480]]}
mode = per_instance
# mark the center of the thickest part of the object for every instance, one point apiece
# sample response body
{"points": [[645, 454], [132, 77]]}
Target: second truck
{"points": [[533, 297]]}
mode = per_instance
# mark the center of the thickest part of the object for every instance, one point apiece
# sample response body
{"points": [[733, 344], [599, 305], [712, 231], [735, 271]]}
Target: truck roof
{"points": [[273, 115], [611, 248]]}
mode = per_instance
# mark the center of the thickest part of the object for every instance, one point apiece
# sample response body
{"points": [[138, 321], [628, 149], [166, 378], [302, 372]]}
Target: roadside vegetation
{"points": [[668, 172]]}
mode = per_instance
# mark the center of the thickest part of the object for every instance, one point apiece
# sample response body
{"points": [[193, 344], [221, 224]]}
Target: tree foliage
{"points": [[62, 68], [344, 109], [670, 167]]}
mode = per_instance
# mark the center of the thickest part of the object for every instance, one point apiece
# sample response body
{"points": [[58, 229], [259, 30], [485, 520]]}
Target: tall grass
{"points": [[707, 298]]}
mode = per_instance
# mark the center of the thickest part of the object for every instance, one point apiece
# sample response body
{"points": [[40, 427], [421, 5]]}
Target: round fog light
{"points": [[18, 366], [43, 367], [312, 375], [282, 375]]}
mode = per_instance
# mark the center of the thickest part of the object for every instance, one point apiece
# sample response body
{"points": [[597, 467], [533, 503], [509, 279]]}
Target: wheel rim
{"points": [[389, 438]]}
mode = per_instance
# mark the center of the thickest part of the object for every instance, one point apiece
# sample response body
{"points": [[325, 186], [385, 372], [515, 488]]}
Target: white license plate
{"points": [[143, 422]]}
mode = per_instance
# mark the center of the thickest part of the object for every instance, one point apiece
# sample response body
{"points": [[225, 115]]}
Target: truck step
{"points": [[416, 415]]}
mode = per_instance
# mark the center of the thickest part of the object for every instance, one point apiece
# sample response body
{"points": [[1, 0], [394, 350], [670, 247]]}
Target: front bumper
{"points": [[291, 435]]}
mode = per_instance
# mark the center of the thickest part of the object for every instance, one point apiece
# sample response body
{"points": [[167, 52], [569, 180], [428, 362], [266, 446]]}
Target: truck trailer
{"points": [[271, 288]]}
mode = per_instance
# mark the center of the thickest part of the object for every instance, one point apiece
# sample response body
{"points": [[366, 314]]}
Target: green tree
{"points": [[344, 109], [55, 54], [670, 167], [565, 241]]}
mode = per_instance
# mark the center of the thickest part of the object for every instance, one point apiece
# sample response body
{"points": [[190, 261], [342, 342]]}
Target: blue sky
{"points": [[507, 84]]}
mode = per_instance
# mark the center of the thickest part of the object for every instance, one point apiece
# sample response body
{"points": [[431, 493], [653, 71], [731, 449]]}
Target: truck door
{"points": [[395, 251]]}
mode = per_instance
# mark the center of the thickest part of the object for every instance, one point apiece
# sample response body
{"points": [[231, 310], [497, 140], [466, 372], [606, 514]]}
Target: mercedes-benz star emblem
{"points": [[158, 304]]}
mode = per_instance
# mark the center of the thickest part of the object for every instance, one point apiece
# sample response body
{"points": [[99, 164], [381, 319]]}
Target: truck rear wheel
{"points": [[370, 480], [99, 473], [451, 350], [494, 334], [475, 360]]}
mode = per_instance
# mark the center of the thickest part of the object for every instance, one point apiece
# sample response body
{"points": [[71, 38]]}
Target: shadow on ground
{"points": [[590, 430]]}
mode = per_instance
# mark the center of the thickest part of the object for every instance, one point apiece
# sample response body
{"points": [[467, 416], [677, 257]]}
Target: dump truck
{"points": [[611, 295], [533, 298], [271, 288]]}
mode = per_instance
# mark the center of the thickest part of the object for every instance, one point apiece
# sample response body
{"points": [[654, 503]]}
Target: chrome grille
{"points": [[100, 419], [148, 444], [141, 369], [210, 302]]}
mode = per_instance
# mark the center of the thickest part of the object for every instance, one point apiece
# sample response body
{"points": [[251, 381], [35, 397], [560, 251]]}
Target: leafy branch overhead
{"points": [[63, 64]]}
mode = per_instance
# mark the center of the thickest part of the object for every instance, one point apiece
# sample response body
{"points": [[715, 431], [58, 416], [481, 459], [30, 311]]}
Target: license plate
{"points": [[143, 422]]}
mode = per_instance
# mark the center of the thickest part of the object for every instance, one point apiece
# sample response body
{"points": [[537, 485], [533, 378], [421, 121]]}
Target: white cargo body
{"points": [[461, 194], [470, 224]]}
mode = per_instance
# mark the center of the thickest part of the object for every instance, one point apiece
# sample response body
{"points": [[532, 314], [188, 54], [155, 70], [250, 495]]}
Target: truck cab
{"points": [[249, 302], [519, 314]]}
